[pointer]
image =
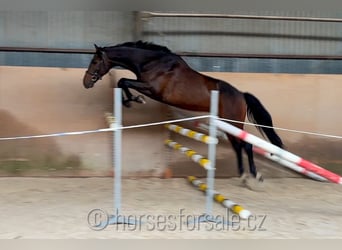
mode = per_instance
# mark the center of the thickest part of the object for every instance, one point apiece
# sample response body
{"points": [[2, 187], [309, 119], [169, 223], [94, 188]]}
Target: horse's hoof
{"points": [[139, 99], [243, 179], [259, 177], [255, 184]]}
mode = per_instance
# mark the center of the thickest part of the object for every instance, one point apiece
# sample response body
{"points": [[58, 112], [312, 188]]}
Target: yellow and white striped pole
{"points": [[233, 206], [192, 134], [193, 155]]}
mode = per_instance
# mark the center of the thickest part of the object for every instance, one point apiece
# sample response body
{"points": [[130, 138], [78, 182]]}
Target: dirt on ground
{"points": [[167, 208]]}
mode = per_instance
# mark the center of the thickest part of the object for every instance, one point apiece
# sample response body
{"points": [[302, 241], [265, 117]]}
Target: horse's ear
{"points": [[98, 50]]}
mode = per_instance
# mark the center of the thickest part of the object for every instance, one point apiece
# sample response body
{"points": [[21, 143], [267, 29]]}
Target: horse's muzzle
{"points": [[90, 79], [88, 85]]}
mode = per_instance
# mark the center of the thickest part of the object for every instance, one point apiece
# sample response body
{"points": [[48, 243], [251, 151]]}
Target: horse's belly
{"points": [[178, 113]]}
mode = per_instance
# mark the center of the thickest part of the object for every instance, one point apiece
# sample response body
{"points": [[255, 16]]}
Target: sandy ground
{"points": [[59, 208]]}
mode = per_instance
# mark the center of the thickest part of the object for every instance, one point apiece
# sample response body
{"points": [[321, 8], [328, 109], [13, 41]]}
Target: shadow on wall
{"points": [[27, 157]]}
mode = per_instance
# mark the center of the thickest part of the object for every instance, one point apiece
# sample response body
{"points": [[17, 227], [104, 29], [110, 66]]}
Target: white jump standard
{"points": [[117, 162], [208, 164]]}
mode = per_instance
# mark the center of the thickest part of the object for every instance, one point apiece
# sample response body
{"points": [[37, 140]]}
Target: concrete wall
{"points": [[50, 100]]}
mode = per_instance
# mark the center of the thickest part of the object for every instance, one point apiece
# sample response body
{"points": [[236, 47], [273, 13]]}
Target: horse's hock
{"points": [[49, 100]]}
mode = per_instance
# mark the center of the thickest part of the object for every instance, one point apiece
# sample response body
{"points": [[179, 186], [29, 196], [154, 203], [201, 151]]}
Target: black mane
{"points": [[144, 45]]}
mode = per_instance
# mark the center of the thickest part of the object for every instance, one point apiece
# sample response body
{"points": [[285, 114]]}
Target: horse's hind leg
{"points": [[237, 146], [249, 151]]}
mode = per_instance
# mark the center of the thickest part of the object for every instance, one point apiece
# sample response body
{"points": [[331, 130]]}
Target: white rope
{"points": [[162, 123], [284, 129], [100, 130], [56, 134], [166, 122]]}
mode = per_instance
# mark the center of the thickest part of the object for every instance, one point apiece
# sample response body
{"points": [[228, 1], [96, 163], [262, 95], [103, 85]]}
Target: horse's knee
{"points": [[127, 103], [121, 83]]}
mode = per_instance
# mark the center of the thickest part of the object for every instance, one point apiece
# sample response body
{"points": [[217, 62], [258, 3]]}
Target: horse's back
{"points": [[177, 84]]}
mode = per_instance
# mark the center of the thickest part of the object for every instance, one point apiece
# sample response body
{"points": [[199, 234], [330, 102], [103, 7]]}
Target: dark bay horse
{"points": [[167, 78]]}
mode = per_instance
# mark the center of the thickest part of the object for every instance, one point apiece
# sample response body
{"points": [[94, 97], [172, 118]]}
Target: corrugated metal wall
{"points": [[60, 29], [226, 35], [64, 29], [80, 29], [241, 36]]}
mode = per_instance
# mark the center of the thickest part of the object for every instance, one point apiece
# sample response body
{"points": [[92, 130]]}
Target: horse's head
{"points": [[99, 66]]}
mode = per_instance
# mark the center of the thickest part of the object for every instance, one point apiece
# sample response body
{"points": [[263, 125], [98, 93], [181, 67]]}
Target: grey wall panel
{"points": [[45, 60], [60, 29], [265, 65], [23, 28], [64, 29], [81, 29], [219, 35]]}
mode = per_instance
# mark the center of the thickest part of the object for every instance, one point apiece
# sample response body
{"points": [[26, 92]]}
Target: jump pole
{"points": [[272, 157], [192, 154], [288, 164], [256, 141], [191, 134], [233, 206]]}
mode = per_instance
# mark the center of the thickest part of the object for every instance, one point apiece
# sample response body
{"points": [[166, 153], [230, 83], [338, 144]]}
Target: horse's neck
{"points": [[127, 58]]}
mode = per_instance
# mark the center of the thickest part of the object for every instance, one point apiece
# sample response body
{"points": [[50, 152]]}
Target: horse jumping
{"points": [[165, 77]]}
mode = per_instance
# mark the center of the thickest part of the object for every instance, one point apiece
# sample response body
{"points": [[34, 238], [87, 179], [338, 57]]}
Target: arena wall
{"points": [[50, 100]]}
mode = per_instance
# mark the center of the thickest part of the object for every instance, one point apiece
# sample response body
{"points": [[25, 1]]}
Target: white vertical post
{"points": [[118, 218], [212, 151], [117, 150]]}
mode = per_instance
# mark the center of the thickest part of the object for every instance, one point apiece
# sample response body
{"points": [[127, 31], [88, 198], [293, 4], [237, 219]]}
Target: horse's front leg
{"points": [[125, 100], [141, 87]]}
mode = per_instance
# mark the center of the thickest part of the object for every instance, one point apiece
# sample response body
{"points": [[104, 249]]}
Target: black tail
{"points": [[257, 113]]}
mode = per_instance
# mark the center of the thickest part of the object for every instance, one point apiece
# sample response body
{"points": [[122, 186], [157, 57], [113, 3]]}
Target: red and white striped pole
{"points": [[288, 164], [256, 141]]}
